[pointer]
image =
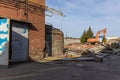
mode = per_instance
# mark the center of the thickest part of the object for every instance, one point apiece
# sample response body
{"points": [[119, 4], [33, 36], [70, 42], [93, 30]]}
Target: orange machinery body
{"points": [[95, 40]]}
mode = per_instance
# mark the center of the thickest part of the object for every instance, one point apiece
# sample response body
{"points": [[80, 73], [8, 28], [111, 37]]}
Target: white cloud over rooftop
{"points": [[80, 14]]}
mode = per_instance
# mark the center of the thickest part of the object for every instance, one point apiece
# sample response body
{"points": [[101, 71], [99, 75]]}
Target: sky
{"points": [[80, 14]]}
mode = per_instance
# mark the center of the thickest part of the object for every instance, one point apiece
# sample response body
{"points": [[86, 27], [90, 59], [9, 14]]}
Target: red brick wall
{"points": [[36, 30], [40, 1]]}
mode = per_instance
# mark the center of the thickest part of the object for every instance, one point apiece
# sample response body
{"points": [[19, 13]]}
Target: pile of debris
{"points": [[97, 49], [87, 52], [84, 49]]}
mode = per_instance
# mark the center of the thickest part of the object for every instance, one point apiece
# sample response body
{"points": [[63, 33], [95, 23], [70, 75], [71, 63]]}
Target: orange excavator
{"points": [[96, 39]]}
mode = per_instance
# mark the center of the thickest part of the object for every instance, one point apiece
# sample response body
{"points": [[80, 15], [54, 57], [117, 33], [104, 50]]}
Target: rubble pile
{"points": [[90, 52], [96, 49], [110, 41], [84, 49]]}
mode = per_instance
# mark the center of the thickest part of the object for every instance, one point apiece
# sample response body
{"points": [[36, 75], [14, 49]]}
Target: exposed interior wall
{"points": [[57, 42], [36, 18], [54, 41]]}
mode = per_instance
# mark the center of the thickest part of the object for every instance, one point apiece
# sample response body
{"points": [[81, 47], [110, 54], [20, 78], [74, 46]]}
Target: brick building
{"points": [[32, 14]]}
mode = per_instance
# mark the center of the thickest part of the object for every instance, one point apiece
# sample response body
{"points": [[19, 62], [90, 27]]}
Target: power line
{"points": [[61, 19], [58, 5]]}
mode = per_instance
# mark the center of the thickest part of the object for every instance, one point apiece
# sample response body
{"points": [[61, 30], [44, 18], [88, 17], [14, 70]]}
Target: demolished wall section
{"points": [[55, 40]]}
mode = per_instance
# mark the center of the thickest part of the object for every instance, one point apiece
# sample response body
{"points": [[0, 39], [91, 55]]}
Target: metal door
{"points": [[4, 41], [19, 41]]}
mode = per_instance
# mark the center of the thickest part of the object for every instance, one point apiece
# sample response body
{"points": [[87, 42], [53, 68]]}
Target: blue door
{"points": [[19, 41], [4, 41]]}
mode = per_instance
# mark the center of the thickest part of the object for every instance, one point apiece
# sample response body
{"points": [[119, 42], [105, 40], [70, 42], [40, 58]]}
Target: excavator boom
{"points": [[95, 40]]}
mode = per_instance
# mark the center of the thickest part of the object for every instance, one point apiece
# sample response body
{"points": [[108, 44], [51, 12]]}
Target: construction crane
{"points": [[54, 11], [95, 40], [51, 10]]}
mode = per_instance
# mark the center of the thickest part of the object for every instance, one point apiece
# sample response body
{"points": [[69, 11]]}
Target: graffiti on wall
{"points": [[4, 34]]}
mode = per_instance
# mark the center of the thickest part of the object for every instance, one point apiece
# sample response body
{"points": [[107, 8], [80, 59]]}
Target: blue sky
{"points": [[80, 14]]}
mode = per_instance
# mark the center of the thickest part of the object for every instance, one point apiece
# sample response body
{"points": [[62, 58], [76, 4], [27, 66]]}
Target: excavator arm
{"points": [[95, 40]]}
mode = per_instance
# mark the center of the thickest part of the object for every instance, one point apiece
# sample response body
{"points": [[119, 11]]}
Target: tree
{"points": [[89, 32], [83, 37], [86, 34]]}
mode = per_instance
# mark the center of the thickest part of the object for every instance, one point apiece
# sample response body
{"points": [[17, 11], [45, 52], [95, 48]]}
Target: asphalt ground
{"points": [[68, 70]]}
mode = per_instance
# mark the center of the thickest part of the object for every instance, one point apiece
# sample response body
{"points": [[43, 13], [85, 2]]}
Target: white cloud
{"points": [[80, 14], [3, 44], [3, 27], [3, 36]]}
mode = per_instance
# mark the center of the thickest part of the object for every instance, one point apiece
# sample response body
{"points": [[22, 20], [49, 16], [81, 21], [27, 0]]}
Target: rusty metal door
{"points": [[4, 41], [19, 41]]}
